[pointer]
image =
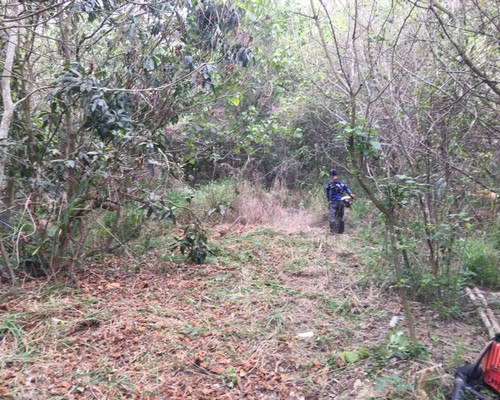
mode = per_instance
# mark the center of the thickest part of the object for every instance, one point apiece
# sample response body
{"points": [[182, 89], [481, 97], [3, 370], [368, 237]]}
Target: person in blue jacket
{"points": [[335, 189]]}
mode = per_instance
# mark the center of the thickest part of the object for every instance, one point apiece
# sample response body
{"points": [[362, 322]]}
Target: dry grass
{"points": [[279, 209]]}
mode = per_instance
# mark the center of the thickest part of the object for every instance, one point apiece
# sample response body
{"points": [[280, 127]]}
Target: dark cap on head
{"points": [[333, 172]]}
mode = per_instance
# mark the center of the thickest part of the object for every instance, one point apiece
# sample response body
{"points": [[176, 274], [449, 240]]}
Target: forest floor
{"points": [[280, 312]]}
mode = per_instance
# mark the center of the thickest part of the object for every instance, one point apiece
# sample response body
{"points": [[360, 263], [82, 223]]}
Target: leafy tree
{"points": [[404, 122], [111, 82]]}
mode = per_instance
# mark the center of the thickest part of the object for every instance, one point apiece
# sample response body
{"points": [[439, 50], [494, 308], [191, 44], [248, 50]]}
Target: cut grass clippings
{"points": [[272, 315]]}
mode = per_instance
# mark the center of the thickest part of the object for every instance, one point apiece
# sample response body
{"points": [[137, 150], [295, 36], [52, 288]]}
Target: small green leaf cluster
{"points": [[401, 189], [398, 346], [351, 357], [394, 382], [365, 139], [106, 113], [193, 243]]}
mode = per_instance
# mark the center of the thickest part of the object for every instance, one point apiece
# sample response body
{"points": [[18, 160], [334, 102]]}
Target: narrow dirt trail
{"points": [[276, 314]]}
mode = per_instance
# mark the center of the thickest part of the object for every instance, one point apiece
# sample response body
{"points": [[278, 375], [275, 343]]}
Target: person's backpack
{"points": [[336, 187]]}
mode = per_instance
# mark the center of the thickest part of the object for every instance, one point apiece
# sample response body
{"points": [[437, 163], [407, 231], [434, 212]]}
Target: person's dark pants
{"points": [[336, 218]]}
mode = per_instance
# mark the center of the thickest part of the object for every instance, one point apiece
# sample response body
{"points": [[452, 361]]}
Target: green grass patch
{"points": [[215, 199], [11, 329], [295, 264], [481, 261], [337, 307]]}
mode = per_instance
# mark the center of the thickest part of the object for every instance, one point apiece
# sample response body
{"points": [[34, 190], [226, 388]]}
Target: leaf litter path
{"points": [[275, 315]]}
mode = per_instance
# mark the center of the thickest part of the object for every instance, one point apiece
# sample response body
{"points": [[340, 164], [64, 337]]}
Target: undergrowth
{"points": [[481, 258], [274, 306], [267, 303]]}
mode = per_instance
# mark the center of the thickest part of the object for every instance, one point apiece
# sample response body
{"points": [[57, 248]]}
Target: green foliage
{"points": [[399, 346], [360, 211], [10, 325], [276, 321], [351, 357], [348, 357], [216, 197], [456, 359], [193, 243], [448, 286], [493, 233], [173, 90], [401, 190], [295, 264], [313, 199], [230, 378], [259, 132], [481, 260], [105, 113], [436, 281], [393, 382], [365, 139], [336, 308], [130, 224], [105, 120]]}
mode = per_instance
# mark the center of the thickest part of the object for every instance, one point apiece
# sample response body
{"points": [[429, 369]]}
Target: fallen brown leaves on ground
{"points": [[217, 331]]}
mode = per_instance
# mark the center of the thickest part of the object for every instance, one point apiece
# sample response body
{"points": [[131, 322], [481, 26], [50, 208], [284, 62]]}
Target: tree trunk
{"points": [[69, 134], [12, 29], [399, 274]]}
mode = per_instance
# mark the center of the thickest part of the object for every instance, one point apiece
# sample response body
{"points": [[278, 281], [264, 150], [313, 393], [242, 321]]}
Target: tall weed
{"points": [[215, 199], [481, 261]]}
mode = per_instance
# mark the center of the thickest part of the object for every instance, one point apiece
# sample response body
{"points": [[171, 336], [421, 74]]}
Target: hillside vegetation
{"points": [[279, 309], [162, 210]]}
